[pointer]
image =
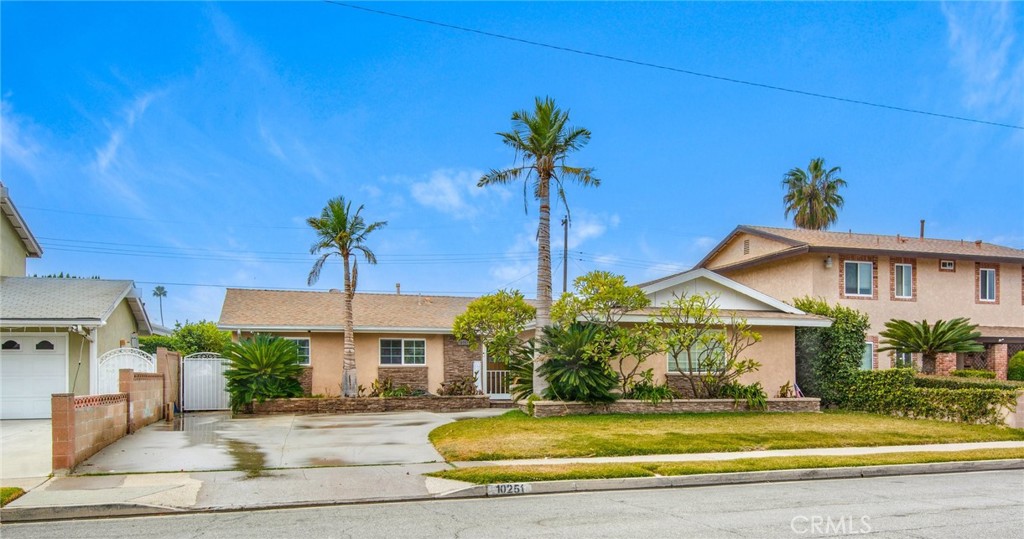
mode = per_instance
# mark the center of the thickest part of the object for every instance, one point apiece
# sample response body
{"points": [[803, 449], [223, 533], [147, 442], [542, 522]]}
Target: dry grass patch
{"points": [[515, 435], [515, 474]]}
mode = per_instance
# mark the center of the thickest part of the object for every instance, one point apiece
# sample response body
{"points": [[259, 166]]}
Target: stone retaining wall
{"points": [[370, 405], [414, 377], [555, 408]]}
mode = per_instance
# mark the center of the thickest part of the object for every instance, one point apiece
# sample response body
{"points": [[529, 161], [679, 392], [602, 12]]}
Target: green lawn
{"points": [[515, 435], [514, 474], [9, 494]]}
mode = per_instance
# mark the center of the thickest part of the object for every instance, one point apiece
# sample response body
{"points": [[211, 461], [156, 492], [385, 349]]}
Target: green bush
{"points": [[520, 369], [828, 358], [202, 336], [923, 380], [459, 387], [262, 368], [646, 390], [385, 388], [896, 392], [150, 343], [972, 373], [1016, 367], [752, 394], [572, 371]]}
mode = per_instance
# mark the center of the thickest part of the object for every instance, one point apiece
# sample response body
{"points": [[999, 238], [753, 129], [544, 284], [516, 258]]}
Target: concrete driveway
{"points": [[214, 441], [25, 452]]}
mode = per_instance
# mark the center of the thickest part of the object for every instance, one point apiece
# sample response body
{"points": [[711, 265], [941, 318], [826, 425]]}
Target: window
{"points": [[44, 345], [904, 280], [867, 359], [403, 352], [903, 360], [704, 354], [947, 265], [987, 284], [303, 345], [10, 345], [858, 278]]}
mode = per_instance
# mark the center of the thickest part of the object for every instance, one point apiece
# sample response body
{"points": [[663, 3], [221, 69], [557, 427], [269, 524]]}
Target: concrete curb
{"points": [[35, 514]]}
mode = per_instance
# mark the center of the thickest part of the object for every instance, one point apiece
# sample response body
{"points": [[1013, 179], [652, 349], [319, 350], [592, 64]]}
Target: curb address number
{"points": [[507, 489]]}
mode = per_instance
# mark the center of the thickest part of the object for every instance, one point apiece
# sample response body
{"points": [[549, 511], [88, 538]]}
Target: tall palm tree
{"points": [[812, 196], [160, 293], [542, 140], [342, 232], [956, 335]]}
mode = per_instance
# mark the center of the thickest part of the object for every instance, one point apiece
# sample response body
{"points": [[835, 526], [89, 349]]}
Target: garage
{"points": [[32, 367]]}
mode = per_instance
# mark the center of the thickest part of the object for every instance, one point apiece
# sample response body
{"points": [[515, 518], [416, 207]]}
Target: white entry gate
{"points": [[109, 365], [203, 385]]}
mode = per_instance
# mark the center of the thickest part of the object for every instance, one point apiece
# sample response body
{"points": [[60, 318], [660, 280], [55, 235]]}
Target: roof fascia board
{"points": [[20, 226], [917, 254], [726, 282], [332, 329], [49, 322], [756, 321], [771, 257]]}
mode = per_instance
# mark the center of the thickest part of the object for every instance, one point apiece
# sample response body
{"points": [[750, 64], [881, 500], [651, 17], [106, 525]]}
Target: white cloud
{"points": [[982, 40], [16, 142], [519, 270], [455, 192], [584, 226]]}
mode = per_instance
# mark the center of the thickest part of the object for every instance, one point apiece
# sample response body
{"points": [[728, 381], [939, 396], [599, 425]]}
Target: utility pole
{"points": [[565, 251]]}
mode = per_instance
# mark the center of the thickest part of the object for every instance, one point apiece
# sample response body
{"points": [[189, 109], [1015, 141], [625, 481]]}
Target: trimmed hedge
{"points": [[895, 392], [973, 373], [923, 380], [1015, 370]]}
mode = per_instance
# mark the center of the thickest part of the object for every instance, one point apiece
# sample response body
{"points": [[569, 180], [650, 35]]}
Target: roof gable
{"points": [[731, 294], [30, 301], [18, 224]]}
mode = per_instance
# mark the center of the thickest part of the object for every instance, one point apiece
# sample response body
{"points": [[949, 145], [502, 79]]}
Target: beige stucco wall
{"points": [[12, 250], [368, 357], [783, 280], [120, 325], [733, 251]]}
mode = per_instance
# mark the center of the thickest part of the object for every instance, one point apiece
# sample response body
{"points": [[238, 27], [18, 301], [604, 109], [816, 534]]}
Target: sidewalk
{"points": [[162, 493]]}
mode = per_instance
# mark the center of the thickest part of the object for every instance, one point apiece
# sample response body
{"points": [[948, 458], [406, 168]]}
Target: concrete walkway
{"points": [[158, 493], [735, 455], [25, 456]]}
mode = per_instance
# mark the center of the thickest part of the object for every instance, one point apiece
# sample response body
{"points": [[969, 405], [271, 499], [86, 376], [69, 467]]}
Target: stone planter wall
{"points": [[362, 405], [555, 408]]}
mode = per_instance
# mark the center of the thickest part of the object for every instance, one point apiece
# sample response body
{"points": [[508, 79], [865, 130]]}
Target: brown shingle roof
{"points": [[878, 242], [325, 310]]}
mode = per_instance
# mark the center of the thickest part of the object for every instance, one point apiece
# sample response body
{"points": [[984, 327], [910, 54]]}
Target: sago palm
{"points": [[342, 232], [262, 368], [542, 141], [812, 196], [956, 335]]}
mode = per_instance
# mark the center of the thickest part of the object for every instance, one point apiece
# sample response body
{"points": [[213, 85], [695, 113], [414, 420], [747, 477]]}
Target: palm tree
{"points": [[342, 233], [160, 293], [542, 140], [813, 196], [956, 335]]}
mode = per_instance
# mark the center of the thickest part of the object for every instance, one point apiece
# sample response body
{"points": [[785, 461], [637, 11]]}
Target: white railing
{"points": [[498, 383]]}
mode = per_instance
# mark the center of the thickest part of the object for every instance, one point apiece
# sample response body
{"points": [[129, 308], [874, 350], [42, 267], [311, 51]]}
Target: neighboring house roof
{"points": [[32, 246], [284, 310], [803, 241], [776, 313], [40, 301]]}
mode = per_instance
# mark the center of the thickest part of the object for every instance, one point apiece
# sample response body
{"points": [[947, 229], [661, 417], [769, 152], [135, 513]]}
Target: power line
{"points": [[672, 69]]}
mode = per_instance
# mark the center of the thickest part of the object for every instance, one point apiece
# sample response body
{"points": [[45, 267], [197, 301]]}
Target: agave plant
{"points": [[262, 368], [956, 335], [572, 370]]}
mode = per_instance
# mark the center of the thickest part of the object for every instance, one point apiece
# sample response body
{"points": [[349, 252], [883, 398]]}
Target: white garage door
{"points": [[32, 367]]}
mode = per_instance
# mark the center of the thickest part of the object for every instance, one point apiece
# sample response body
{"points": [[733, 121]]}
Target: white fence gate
{"points": [[203, 385], [109, 365]]}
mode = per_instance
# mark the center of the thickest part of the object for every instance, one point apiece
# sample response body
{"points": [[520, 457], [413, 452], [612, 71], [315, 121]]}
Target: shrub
{"points": [[385, 388], [922, 380], [262, 368], [520, 369], [973, 373], [150, 343], [646, 390], [894, 392], [572, 371], [459, 387], [829, 358], [1015, 370], [752, 394]]}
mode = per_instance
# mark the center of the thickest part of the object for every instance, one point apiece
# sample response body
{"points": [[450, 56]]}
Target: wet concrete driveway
{"points": [[215, 441]]}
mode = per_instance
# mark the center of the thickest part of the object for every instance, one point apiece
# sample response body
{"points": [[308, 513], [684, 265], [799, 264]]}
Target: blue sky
{"points": [[184, 144]]}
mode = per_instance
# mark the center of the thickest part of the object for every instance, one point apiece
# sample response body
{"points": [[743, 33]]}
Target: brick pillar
{"points": [[62, 414], [945, 363], [125, 378], [998, 359]]}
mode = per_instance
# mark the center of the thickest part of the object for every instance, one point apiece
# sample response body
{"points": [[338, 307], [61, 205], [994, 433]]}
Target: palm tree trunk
{"points": [[161, 309], [543, 273], [928, 363], [348, 365]]}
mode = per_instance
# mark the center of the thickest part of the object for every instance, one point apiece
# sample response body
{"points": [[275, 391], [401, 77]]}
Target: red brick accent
{"points": [[556, 408], [977, 283], [306, 381], [62, 410], [458, 359], [945, 363], [874, 352], [369, 405], [874, 275], [998, 357], [892, 278]]}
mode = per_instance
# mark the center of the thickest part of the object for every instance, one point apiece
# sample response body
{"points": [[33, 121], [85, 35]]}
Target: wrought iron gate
{"points": [[110, 363]]}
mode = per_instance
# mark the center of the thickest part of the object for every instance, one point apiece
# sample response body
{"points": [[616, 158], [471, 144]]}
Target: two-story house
{"points": [[887, 277]]}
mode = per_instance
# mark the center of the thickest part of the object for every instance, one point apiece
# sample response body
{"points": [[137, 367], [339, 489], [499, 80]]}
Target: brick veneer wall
{"points": [[82, 426], [680, 383], [458, 359], [945, 363], [874, 275], [998, 360], [414, 377], [892, 278], [306, 380], [552, 408], [369, 405]]}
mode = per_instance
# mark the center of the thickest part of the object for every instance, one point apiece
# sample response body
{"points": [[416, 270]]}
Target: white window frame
{"points": [[903, 357], [908, 280], [870, 345], [309, 348], [947, 265], [673, 363], [991, 283], [871, 278], [405, 356]]}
